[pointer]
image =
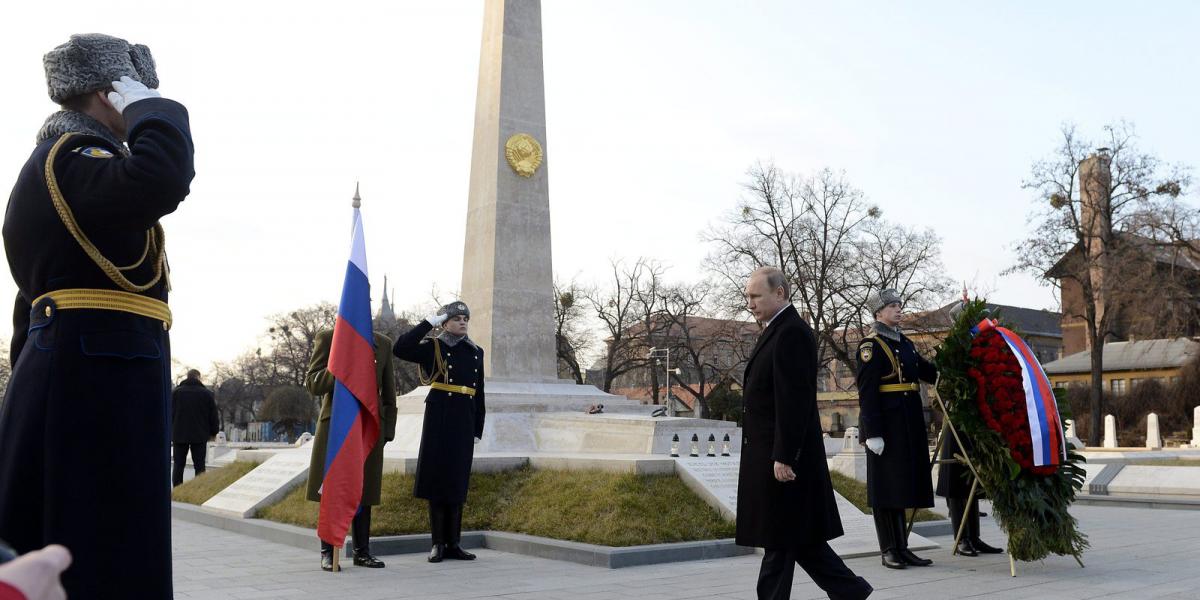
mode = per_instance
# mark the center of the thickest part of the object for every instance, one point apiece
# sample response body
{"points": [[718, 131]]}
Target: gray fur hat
{"points": [[92, 61], [455, 309], [882, 298]]}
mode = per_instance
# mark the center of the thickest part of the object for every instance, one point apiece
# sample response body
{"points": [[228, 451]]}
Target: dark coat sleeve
{"points": [[926, 371], [214, 419], [870, 412], [410, 346], [20, 333], [318, 380], [480, 407], [387, 389], [135, 191], [795, 391]]}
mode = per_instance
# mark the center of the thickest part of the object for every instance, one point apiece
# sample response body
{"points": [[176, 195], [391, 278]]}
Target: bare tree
{"points": [[618, 308], [572, 336], [710, 349], [1108, 219], [291, 338], [834, 247]]}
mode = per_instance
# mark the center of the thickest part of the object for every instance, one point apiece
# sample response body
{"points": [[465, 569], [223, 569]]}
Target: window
{"points": [[1135, 382], [1117, 386]]}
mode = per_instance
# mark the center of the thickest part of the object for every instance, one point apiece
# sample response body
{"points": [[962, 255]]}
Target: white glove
{"points": [[875, 445], [127, 91], [436, 320]]}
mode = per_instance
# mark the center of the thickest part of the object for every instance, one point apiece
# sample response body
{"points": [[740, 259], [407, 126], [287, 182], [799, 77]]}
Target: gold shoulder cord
{"points": [[439, 366], [155, 237]]}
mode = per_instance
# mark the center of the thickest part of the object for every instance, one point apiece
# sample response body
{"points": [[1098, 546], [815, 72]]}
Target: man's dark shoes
{"points": [[908, 558], [983, 548], [457, 553], [435, 555], [364, 559], [966, 549], [327, 561], [892, 560]]}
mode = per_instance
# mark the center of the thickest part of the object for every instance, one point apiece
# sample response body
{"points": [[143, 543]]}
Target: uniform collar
{"points": [[71, 121], [891, 333]]}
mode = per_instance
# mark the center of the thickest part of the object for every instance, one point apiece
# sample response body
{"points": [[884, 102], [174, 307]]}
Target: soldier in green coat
{"points": [[319, 381]]}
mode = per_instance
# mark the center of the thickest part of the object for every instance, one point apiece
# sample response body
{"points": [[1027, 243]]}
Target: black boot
{"points": [[327, 560], [973, 530], [360, 530], [887, 543], [435, 555], [437, 531], [454, 534], [900, 531], [955, 506]]}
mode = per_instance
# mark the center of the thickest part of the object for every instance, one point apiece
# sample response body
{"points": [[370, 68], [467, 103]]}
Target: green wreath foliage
{"points": [[1031, 509]]}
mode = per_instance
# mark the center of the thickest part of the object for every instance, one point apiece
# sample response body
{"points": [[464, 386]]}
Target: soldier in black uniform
{"points": [[87, 408], [454, 411], [892, 421]]}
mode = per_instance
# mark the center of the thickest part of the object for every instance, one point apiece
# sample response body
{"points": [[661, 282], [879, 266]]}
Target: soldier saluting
{"points": [[454, 411], [892, 421], [87, 407]]}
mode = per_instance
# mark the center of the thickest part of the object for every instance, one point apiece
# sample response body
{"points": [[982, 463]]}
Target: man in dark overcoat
{"points": [[84, 429], [785, 498], [454, 409], [892, 423], [194, 421], [319, 382]]}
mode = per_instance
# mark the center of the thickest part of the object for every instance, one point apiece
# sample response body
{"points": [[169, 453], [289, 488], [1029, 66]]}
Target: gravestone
{"points": [[221, 441], [851, 460], [265, 485], [1110, 431], [1196, 427], [1072, 437], [304, 438], [1153, 439]]}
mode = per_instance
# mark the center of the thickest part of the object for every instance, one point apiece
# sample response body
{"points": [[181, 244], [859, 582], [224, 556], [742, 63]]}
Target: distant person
{"points": [[892, 421], [85, 425], [194, 422], [34, 576], [319, 382], [454, 410], [785, 498]]}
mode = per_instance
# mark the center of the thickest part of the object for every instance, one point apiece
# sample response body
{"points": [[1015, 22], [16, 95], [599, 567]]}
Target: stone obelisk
{"points": [[507, 278]]}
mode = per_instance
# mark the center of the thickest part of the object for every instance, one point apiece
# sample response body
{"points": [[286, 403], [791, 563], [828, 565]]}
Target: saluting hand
{"points": [[784, 473], [436, 320], [127, 91]]}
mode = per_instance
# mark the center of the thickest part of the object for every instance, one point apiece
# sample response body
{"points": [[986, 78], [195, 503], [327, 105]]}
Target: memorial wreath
{"points": [[997, 395]]}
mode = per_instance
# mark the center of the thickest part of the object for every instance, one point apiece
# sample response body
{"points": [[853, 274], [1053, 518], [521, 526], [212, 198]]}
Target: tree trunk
{"points": [[1097, 392]]}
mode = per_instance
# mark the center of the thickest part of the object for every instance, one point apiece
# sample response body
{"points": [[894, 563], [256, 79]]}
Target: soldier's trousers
{"points": [[445, 523], [891, 529]]}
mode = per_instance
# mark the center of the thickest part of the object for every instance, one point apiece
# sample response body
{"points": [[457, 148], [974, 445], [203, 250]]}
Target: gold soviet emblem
{"points": [[864, 353], [524, 154]]}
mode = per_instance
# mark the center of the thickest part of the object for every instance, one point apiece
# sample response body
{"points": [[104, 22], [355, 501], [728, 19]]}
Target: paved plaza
{"points": [[1136, 553]]}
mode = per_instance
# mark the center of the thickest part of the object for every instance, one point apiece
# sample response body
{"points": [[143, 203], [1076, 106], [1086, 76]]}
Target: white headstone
{"points": [[1110, 431], [1196, 427], [1153, 439], [266, 484], [1072, 437], [221, 441], [850, 441], [304, 438]]}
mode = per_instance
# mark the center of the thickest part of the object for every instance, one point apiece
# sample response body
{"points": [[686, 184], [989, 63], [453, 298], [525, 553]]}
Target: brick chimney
{"points": [[1095, 220]]}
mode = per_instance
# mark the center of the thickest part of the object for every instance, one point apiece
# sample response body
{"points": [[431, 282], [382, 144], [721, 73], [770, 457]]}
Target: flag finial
{"points": [[357, 201]]}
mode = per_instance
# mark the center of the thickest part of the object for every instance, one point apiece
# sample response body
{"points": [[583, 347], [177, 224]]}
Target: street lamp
{"points": [[665, 354]]}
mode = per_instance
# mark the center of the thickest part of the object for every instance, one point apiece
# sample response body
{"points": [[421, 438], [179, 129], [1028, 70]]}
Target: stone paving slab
{"points": [[1136, 553]]}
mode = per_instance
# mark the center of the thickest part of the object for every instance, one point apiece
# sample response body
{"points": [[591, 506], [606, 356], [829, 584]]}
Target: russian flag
{"points": [[1045, 424], [354, 422]]}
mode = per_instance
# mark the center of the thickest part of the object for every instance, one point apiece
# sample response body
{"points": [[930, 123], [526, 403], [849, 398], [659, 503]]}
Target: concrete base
{"points": [[562, 395]]}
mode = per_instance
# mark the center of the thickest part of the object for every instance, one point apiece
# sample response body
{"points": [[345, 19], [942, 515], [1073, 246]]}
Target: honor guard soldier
{"points": [[319, 382], [892, 421], [452, 366], [87, 409]]}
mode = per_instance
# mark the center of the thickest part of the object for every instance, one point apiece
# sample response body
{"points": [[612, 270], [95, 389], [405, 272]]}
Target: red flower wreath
{"points": [[1001, 396]]}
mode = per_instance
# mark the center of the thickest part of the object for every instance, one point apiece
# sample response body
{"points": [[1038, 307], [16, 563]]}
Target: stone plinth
{"points": [[1153, 439], [1110, 431]]}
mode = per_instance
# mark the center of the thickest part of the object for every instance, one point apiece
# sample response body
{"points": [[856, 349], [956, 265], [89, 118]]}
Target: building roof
{"points": [[1131, 356], [1027, 321]]}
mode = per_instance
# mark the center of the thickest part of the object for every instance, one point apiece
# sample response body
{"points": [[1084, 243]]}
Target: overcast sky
{"points": [[655, 110]]}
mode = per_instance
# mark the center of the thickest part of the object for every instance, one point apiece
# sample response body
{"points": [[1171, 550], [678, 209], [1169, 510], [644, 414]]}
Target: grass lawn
{"points": [[206, 485], [856, 492], [611, 509]]}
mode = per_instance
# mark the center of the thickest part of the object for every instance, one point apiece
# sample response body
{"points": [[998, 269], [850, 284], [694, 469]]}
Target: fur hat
{"points": [[882, 298], [454, 309], [92, 61]]}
